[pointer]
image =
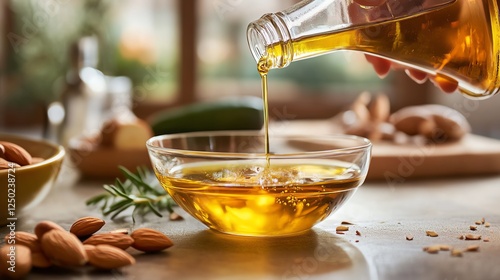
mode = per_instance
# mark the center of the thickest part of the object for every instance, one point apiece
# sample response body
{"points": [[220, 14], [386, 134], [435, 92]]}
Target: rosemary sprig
{"points": [[140, 190]]}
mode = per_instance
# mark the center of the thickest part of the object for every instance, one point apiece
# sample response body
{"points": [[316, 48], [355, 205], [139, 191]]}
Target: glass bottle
{"points": [[79, 110], [455, 40]]}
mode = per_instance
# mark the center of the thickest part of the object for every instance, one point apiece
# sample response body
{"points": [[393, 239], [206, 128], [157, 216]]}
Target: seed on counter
{"points": [[120, 230], [434, 249], [342, 228], [409, 237], [483, 220], [431, 233], [472, 248], [175, 217], [473, 227], [444, 247], [486, 239], [487, 224], [456, 253], [358, 233], [346, 223], [472, 237]]}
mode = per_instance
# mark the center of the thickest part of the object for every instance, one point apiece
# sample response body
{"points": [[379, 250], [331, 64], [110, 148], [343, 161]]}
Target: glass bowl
{"points": [[225, 179]]}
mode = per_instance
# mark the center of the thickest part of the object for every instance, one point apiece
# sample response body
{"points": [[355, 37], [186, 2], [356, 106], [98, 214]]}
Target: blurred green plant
{"points": [[41, 34], [40, 38]]}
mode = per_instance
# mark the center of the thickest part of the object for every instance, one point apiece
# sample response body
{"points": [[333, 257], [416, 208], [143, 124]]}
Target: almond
{"points": [[150, 240], [2, 150], [16, 153], [4, 164], [108, 257], [24, 238], [45, 226], [22, 261], [63, 248], [38, 259], [118, 240], [88, 248], [86, 226]]}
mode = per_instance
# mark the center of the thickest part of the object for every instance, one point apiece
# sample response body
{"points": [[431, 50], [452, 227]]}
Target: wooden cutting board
{"points": [[395, 163], [472, 155]]}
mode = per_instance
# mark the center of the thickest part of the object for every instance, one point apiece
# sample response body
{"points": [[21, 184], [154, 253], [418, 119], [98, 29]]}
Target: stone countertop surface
{"points": [[382, 214]]}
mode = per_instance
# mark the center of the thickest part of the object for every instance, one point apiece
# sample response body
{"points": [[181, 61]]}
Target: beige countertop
{"points": [[383, 214]]}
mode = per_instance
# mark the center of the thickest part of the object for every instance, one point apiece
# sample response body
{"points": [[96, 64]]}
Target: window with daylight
{"points": [[175, 52]]}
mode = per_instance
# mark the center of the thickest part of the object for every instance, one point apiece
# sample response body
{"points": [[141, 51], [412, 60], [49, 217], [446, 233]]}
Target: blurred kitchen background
{"points": [[176, 52]]}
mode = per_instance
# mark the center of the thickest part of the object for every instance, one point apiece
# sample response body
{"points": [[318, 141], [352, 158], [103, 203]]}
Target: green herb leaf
{"points": [[140, 190]]}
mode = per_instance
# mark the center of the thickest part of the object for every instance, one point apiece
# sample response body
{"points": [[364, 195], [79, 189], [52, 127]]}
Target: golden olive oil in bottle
{"points": [[459, 41]]}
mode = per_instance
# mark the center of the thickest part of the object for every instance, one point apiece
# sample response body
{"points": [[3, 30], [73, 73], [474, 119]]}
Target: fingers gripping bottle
{"points": [[455, 40]]}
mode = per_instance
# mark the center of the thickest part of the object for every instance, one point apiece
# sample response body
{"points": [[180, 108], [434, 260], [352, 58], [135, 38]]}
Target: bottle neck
{"points": [[274, 35], [270, 37]]}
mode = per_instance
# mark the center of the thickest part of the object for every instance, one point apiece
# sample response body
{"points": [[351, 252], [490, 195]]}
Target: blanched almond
{"points": [[431, 233], [150, 240], [120, 230], [342, 228]]}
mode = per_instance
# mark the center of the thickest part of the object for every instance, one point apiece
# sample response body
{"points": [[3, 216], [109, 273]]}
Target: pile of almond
{"points": [[13, 155], [52, 245]]}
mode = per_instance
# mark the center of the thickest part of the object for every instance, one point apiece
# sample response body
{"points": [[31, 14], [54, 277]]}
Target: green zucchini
{"points": [[233, 113]]}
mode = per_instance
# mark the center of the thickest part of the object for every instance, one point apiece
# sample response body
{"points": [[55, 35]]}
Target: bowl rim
{"points": [[58, 155], [365, 144]]}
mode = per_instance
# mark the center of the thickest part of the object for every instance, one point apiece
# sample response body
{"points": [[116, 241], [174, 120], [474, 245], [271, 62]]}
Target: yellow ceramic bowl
{"points": [[24, 187]]}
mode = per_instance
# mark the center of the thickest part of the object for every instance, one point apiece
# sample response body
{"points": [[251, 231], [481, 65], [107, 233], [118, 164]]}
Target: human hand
{"points": [[383, 66]]}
